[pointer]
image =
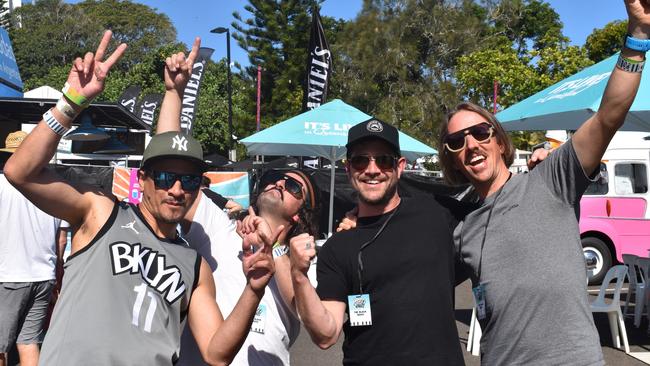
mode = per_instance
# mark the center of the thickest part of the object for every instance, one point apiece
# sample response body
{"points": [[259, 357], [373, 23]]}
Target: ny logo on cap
{"points": [[179, 143], [374, 126]]}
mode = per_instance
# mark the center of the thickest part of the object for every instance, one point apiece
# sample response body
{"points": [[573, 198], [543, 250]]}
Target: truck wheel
{"points": [[597, 253]]}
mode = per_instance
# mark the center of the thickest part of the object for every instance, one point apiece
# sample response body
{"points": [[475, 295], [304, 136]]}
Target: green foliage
{"points": [[604, 42]]}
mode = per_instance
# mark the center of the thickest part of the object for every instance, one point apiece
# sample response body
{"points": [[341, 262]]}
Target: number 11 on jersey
{"points": [[141, 290]]}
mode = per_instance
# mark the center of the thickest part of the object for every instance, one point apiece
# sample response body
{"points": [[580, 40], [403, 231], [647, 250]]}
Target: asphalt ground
{"points": [[304, 352]]}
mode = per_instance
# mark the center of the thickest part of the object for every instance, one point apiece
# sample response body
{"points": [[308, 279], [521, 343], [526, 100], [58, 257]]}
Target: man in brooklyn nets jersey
{"points": [[129, 279]]}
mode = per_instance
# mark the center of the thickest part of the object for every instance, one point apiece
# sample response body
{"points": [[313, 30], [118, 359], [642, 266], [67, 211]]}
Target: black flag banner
{"points": [[319, 64], [129, 97], [148, 106], [191, 93]]}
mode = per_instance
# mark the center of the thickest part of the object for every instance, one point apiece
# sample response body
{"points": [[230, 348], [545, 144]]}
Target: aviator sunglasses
{"points": [[291, 185], [383, 162], [481, 132], [165, 180]]}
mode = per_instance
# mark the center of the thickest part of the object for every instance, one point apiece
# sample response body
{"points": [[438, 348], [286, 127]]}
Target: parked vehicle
{"points": [[614, 213]]}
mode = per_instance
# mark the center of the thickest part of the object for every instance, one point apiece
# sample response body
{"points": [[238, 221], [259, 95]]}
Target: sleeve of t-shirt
{"points": [[218, 199], [563, 174], [332, 284]]}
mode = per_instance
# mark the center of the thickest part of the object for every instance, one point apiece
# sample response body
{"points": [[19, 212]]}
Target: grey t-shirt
{"points": [[532, 268]]}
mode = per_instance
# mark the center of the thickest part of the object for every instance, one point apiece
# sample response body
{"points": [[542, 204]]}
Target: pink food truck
{"points": [[614, 212]]}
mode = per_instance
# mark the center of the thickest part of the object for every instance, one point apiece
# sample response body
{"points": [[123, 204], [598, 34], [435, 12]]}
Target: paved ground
{"points": [[304, 352]]}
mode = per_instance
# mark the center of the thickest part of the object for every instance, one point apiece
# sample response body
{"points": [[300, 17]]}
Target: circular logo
{"points": [[374, 126]]}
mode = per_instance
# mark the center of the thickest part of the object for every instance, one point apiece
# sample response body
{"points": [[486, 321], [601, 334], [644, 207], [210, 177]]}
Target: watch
{"points": [[636, 44]]}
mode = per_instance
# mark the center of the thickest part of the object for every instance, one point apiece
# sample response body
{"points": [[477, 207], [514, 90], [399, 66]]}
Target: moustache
{"points": [[278, 189]]}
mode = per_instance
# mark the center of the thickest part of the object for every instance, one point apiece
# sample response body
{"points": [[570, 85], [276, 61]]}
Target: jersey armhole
{"points": [[107, 225]]}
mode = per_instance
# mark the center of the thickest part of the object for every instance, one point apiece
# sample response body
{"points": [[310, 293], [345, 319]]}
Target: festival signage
{"points": [[191, 93], [11, 85], [319, 64]]}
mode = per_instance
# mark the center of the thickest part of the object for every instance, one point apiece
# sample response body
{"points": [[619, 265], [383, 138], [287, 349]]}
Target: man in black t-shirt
{"points": [[393, 275]]}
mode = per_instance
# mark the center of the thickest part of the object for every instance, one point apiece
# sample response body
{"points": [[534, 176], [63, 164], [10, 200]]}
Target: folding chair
{"points": [[613, 309]]}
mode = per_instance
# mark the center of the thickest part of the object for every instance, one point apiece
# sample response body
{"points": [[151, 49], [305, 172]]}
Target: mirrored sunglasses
{"points": [[383, 162], [291, 185], [481, 132], [165, 180]]}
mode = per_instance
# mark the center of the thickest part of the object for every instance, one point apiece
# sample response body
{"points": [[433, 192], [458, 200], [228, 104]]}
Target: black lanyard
{"points": [[364, 245]]}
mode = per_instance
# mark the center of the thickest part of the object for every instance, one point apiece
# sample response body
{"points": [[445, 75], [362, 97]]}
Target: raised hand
{"points": [[303, 250], [178, 68], [88, 74], [257, 246], [638, 12]]}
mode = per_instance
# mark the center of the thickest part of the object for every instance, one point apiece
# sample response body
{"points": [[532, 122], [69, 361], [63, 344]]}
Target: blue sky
{"points": [[198, 17]]}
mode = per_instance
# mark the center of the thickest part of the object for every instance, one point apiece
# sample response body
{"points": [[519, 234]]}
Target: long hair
{"points": [[449, 171]]}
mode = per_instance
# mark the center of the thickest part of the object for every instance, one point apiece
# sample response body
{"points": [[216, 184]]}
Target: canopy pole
{"points": [[332, 176]]}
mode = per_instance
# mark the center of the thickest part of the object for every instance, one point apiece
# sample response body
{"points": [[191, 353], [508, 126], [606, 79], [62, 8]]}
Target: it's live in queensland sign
{"points": [[10, 83]]}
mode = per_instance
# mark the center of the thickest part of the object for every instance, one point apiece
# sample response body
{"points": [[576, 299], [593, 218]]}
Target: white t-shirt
{"points": [[213, 235], [28, 240]]}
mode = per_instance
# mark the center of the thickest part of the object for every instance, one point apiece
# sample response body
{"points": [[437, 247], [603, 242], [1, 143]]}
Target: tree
{"points": [[53, 32], [605, 42]]}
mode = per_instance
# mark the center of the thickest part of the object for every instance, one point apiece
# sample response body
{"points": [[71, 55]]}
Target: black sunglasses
{"points": [[291, 185], [165, 180], [383, 162], [481, 132]]}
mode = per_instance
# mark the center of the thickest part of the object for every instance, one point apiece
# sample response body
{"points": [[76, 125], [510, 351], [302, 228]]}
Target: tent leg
{"points": [[332, 176]]}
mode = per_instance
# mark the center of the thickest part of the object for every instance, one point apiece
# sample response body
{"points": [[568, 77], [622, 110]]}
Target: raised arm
{"points": [[178, 70], [323, 319], [220, 340], [26, 169], [592, 138]]}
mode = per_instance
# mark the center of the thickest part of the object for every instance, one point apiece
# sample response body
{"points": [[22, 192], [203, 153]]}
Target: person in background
{"points": [[30, 262], [226, 204]]}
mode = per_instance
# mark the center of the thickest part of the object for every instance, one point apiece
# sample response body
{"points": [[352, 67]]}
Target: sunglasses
{"points": [[165, 180], [383, 162], [291, 185], [481, 132]]}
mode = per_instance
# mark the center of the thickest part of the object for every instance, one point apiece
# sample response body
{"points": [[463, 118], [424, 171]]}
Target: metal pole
{"points": [[332, 176], [230, 132], [259, 89]]}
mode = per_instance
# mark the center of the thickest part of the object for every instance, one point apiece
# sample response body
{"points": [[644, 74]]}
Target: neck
{"points": [[366, 209], [494, 185], [274, 222], [186, 223], [161, 229]]}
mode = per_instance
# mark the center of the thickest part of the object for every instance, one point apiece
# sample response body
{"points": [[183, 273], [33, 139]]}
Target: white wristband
{"points": [[65, 108], [55, 125], [280, 250]]}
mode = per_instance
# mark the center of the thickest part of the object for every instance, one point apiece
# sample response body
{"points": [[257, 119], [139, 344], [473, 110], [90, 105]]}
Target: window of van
{"points": [[630, 178], [601, 185]]}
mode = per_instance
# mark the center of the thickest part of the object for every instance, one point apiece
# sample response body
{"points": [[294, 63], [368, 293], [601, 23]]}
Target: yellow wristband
{"points": [[75, 97]]}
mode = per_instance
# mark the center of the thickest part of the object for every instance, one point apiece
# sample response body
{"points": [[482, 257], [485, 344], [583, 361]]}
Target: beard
{"points": [[384, 199], [267, 202]]}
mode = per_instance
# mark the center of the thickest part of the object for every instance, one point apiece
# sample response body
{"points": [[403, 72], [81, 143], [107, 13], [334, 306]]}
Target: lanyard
{"points": [[364, 245]]}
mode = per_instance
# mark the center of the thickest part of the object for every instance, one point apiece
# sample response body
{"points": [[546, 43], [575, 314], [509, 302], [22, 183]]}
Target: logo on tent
{"points": [[573, 87]]}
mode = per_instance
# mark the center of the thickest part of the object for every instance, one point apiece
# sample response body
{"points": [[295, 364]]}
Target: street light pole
{"points": [[231, 148]]}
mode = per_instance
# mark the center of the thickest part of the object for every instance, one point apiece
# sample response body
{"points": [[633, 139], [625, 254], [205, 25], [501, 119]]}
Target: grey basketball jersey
{"points": [[125, 297]]}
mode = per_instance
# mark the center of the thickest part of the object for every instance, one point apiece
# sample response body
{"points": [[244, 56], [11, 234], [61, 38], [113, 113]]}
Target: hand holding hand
{"points": [[88, 74], [303, 250], [257, 246], [178, 69]]}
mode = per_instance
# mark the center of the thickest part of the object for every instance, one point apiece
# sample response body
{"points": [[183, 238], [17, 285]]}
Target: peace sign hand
{"points": [[88, 74], [178, 69]]}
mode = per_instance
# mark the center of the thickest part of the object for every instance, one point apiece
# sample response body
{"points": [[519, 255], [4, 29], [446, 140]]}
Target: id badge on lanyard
{"points": [[360, 313], [479, 300]]}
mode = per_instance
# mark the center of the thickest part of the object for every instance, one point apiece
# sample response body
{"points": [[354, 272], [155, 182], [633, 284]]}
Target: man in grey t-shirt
{"points": [[522, 245]]}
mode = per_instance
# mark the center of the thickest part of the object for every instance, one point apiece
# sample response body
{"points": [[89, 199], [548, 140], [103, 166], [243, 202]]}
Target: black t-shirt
{"points": [[409, 274]]}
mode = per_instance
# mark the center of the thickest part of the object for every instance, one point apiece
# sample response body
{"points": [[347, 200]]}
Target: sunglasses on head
{"points": [[481, 133], [383, 162], [165, 180], [291, 185]]}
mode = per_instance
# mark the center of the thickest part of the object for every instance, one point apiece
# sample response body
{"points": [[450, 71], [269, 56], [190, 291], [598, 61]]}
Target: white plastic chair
{"points": [[474, 336], [641, 300], [636, 284], [613, 309]]}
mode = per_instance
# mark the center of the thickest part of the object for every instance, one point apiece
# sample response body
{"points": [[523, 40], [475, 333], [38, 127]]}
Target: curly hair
{"points": [[449, 171]]}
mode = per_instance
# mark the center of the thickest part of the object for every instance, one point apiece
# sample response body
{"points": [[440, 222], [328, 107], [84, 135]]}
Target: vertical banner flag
{"points": [[129, 97], [319, 63], [147, 108], [191, 93]]}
